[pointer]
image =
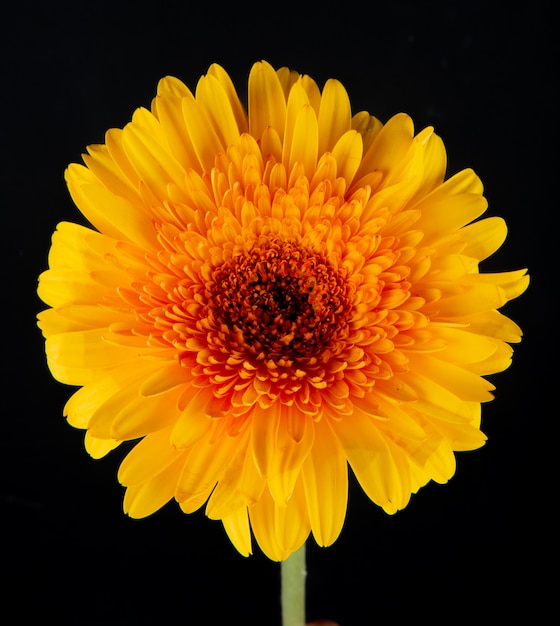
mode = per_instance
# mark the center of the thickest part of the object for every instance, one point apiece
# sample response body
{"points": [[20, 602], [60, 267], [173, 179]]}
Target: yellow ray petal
{"points": [[238, 530], [303, 146], [492, 324], [462, 346], [205, 140], [98, 448], [84, 402], [171, 118], [389, 147], [264, 430], [206, 464], [325, 479], [148, 458], [441, 215], [438, 401], [112, 215], [145, 144], [368, 126], [297, 100], [348, 154], [371, 460], [467, 298], [240, 486], [100, 162], [292, 521], [289, 454], [225, 81], [214, 99], [483, 237], [60, 287], [335, 116], [267, 104], [145, 498], [460, 382], [144, 415]]}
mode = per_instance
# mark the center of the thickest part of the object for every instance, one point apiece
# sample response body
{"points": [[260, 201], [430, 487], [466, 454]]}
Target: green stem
{"points": [[293, 589]]}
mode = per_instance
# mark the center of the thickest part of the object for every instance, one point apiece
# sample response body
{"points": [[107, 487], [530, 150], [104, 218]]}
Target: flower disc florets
{"points": [[280, 302]]}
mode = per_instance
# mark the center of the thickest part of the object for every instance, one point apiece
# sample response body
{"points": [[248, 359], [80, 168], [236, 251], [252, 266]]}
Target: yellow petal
{"points": [[240, 486], [172, 120], [438, 401], [460, 382], [467, 298], [267, 104], [483, 237], [164, 378], [100, 162], [334, 115], [280, 530], [143, 416], [148, 458], [371, 460], [205, 140], [442, 214], [238, 530], [112, 215], [214, 99], [289, 454], [389, 147], [98, 448], [303, 147], [493, 324], [368, 126], [84, 402], [145, 498], [146, 146], [348, 155], [206, 464], [325, 479], [191, 425], [462, 346], [225, 81], [264, 430]]}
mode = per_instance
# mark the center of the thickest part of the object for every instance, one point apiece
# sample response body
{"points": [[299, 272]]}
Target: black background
{"points": [[482, 73]]}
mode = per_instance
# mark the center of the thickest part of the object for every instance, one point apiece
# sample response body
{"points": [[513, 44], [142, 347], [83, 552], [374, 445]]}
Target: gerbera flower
{"points": [[270, 296]]}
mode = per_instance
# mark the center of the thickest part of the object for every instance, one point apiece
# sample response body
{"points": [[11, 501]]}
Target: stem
{"points": [[293, 588]]}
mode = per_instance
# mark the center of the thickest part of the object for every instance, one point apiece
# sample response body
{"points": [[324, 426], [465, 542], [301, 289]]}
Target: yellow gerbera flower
{"points": [[270, 296]]}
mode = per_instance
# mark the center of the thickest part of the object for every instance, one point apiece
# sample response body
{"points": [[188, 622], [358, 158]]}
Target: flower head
{"points": [[271, 296]]}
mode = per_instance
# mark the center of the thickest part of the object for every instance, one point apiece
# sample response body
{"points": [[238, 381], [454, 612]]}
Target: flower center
{"points": [[280, 299]]}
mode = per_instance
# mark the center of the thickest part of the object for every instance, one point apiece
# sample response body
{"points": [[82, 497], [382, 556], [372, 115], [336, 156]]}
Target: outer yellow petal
{"points": [[238, 530], [85, 402], [303, 148], [483, 237], [389, 147], [113, 215], [372, 461], [280, 530], [334, 115], [214, 98], [208, 458], [148, 458], [325, 479], [98, 448], [462, 383], [145, 498], [348, 154], [289, 453], [267, 103], [225, 81]]}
